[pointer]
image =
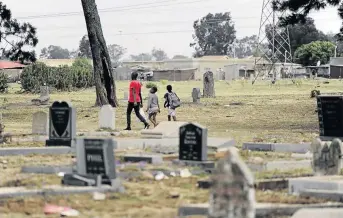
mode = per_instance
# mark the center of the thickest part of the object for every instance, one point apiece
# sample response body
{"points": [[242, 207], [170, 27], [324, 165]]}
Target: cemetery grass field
{"points": [[280, 113]]}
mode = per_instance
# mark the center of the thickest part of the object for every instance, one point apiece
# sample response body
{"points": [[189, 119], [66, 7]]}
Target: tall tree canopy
{"points": [[158, 54], [213, 35], [299, 34], [300, 9], [16, 38], [310, 54], [116, 52], [85, 48], [246, 46], [55, 52]]}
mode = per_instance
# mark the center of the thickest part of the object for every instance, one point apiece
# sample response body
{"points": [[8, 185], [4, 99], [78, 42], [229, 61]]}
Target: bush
{"points": [[3, 82], [62, 78], [164, 82], [149, 85]]}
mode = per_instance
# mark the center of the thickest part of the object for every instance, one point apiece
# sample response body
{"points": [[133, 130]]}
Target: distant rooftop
{"points": [[10, 65]]}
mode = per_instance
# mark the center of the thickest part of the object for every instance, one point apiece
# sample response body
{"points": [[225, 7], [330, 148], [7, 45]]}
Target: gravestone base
{"points": [[202, 164], [149, 158], [54, 142], [73, 180]]}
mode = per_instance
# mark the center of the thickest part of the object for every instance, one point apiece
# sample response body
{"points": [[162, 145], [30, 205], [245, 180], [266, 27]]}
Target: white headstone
{"points": [[232, 193], [107, 117], [126, 96], [40, 123]]}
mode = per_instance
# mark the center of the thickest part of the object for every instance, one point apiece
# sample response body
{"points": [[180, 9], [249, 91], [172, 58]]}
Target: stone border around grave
{"points": [[12, 192], [35, 150], [262, 209], [278, 147]]}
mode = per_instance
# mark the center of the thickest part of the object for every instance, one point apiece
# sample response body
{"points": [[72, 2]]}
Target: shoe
{"points": [[146, 126], [128, 128]]}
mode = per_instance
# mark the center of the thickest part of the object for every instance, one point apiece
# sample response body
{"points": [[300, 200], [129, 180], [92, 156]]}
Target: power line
{"points": [[113, 9]]}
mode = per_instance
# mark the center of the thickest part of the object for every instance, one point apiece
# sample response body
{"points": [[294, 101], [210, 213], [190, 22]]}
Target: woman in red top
{"points": [[135, 101]]}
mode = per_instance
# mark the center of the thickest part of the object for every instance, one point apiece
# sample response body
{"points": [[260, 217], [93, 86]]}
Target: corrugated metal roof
{"points": [[10, 65]]}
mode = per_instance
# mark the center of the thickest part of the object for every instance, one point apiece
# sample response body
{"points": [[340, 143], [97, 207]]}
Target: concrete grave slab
{"points": [[46, 169], [11, 192], [270, 184], [331, 183], [165, 129], [149, 158], [202, 164], [35, 150], [278, 147], [262, 209], [324, 194], [280, 165], [319, 213]]}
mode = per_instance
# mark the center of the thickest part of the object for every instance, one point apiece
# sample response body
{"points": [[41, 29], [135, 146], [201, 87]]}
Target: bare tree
{"points": [[103, 73]]}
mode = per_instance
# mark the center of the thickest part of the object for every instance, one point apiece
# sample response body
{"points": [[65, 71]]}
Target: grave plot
{"points": [[161, 175]]}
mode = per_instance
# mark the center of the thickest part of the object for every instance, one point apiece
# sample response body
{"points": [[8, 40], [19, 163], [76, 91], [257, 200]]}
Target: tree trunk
{"points": [[103, 72], [208, 85]]}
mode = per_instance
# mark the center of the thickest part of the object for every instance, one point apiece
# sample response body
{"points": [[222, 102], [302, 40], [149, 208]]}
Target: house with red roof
{"points": [[12, 69]]}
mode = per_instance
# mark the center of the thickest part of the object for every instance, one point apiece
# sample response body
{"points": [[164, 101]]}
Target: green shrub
{"points": [[3, 82], [62, 78], [164, 82], [149, 85]]}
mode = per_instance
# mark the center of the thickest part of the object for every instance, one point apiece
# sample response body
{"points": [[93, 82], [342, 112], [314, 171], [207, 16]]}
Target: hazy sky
{"points": [[140, 25]]}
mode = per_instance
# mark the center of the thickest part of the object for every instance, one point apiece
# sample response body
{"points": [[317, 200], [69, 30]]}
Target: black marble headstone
{"points": [[330, 115], [62, 125], [193, 143]]}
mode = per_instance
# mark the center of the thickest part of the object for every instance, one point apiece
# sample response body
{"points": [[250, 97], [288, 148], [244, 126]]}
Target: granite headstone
{"points": [[62, 124], [193, 142]]}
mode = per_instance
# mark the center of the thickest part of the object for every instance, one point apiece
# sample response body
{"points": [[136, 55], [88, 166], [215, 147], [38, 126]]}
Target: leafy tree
{"points": [[85, 48], [141, 57], [19, 37], [300, 9], [246, 46], [335, 40], [180, 57], [159, 54], [299, 34], [55, 52], [310, 54], [116, 52], [213, 34]]}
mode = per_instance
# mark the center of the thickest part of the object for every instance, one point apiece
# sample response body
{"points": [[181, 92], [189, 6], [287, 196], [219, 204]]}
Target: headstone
{"points": [[330, 115], [40, 123], [107, 117], [96, 157], [196, 95], [126, 96], [326, 157], [208, 85], [193, 142], [62, 124], [44, 96], [232, 194]]}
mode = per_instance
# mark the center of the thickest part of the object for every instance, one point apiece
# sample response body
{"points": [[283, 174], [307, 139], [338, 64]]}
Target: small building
{"points": [[174, 74], [11, 69], [336, 67]]}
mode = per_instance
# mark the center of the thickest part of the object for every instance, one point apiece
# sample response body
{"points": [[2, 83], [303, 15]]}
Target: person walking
{"points": [[153, 106], [172, 101], [135, 101]]}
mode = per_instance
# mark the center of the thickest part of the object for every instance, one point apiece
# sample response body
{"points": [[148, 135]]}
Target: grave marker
{"points": [[107, 117], [327, 157], [62, 124], [330, 115], [40, 123], [126, 96], [193, 142], [232, 194], [196, 95], [95, 157]]}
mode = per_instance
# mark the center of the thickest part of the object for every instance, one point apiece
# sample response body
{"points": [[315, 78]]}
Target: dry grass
{"points": [[282, 113]]}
